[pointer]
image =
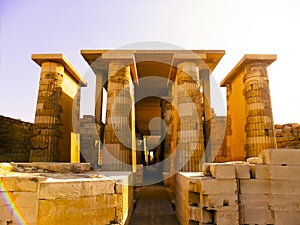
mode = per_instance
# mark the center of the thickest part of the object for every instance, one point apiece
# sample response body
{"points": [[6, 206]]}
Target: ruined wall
{"points": [[288, 135], [264, 191], [15, 140]]}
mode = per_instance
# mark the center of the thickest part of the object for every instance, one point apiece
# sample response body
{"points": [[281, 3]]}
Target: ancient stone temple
{"points": [[157, 111], [153, 123]]}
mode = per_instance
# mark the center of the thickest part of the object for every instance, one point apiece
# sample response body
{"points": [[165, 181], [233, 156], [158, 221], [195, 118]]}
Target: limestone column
{"points": [[118, 156], [48, 123], [56, 124], [190, 147], [259, 118]]}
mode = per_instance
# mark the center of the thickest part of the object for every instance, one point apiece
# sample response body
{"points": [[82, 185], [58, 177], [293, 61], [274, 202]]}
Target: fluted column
{"points": [[259, 117], [117, 155], [190, 138]]}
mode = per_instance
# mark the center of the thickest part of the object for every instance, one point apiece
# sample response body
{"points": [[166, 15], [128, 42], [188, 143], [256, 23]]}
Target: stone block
{"points": [[226, 217], [72, 188], [286, 217], [5, 167], [278, 172], [285, 187], [279, 202], [254, 186], [242, 170], [290, 157], [119, 187], [198, 214], [255, 160], [21, 184], [219, 200], [29, 215], [209, 185], [260, 171], [254, 200], [249, 215], [6, 214], [25, 199], [222, 171]]}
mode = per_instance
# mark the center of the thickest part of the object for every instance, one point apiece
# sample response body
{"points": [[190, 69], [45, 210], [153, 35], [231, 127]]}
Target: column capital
{"points": [[268, 59], [61, 59]]}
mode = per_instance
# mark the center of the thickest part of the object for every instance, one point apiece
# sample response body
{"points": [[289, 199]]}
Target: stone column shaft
{"points": [[48, 122], [259, 124], [190, 147], [118, 156]]}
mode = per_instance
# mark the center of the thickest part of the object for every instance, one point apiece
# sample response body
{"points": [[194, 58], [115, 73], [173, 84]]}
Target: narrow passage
{"points": [[153, 207]]}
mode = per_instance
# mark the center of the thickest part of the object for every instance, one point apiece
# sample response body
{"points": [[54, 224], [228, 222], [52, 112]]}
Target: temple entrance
{"points": [[164, 91]]}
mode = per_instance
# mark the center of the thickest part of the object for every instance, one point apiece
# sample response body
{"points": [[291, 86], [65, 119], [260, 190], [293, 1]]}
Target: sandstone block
{"points": [[257, 201], [242, 170], [219, 200], [119, 187], [29, 215], [260, 171], [286, 217], [5, 167], [222, 171], [6, 214], [278, 172], [25, 199], [284, 202], [73, 188], [249, 215], [290, 157], [285, 187], [254, 186], [226, 217], [254, 160], [21, 184], [209, 185], [197, 214]]}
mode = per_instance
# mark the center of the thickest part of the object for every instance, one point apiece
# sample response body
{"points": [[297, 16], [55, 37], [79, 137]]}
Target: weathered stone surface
{"points": [[260, 171], [287, 136], [226, 217], [222, 171], [254, 186], [15, 140], [289, 157], [249, 215], [51, 167], [242, 170], [56, 198]]}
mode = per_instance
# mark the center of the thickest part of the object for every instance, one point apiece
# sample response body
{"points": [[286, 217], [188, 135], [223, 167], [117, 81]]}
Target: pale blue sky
{"points": [[238, 27]]}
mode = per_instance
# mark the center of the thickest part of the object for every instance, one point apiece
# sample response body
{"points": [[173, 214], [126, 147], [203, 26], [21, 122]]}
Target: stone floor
{"points": [[153, 207]]}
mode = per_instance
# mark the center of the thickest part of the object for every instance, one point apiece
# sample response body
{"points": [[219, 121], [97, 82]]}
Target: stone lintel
{"points": [[248, 58], [60, 58], [210, 57]]}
